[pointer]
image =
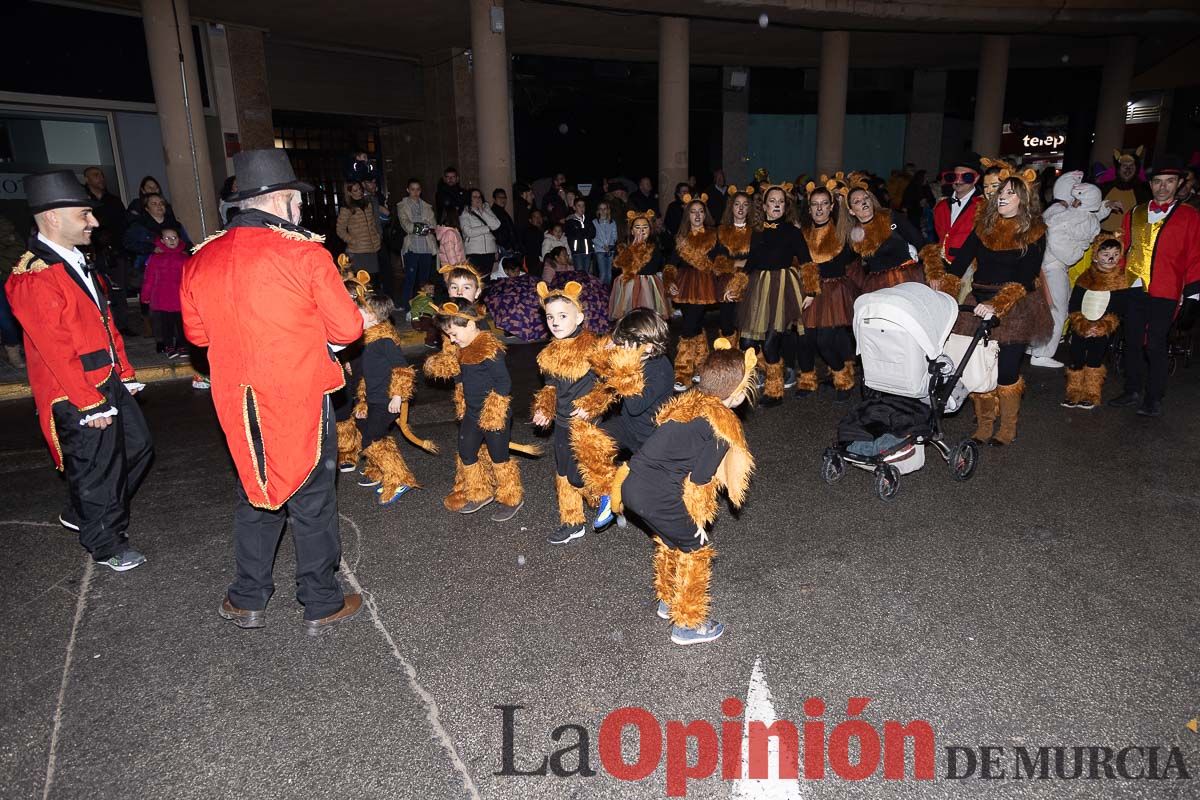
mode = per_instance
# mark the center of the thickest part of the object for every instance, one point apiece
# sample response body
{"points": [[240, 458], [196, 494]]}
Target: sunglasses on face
{"points": [[955, 176]]}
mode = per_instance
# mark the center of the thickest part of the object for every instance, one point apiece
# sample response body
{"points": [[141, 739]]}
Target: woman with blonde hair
{"points": [[691, 281], [886, 242]]}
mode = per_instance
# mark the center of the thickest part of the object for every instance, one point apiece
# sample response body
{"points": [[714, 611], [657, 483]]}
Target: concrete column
{"points": [[834, 79], [923, 135], [735, 126], [493, 121], [674, 53], [222, 94], [989, 96], [172, 58], [248, 67], [1114, 96]]}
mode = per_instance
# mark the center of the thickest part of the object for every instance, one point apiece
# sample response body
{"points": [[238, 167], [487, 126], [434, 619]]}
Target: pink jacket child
{"points": [[164, 273], [450, 245]]}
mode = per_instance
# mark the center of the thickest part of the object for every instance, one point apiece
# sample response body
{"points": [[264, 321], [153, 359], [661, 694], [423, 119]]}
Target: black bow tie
{"points": [[88, 267]]}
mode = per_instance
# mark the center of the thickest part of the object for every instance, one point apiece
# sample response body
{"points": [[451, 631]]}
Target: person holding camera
{"points": [[420, 245]]}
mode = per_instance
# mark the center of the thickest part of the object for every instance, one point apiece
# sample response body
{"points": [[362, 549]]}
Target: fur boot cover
{"points": [[349, 442], [773, 386], [596, 453], [986, 409], [458, 495], [844, 378], [570, 502], [690, 600], [665, 563], [509, 490], [384, 456], [806, 381], [1074, 391], [1010, 410], [1093, 384]]}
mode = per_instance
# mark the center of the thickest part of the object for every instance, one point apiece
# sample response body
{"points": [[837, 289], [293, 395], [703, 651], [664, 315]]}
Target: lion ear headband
{"points": [[647, 215], [785, 187], [688, 198], [1007, 170], [746, 190], [749, 364], [446, 269], [570, 293], [453, 310], [361, 281]]}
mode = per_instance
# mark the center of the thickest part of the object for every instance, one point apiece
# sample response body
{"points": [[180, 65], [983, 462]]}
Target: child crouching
{"points": [[673, 481]]}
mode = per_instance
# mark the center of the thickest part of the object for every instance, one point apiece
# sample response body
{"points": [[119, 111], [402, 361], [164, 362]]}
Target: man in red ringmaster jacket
{"points": [[954, 214], [82, 381], [266, 299]]}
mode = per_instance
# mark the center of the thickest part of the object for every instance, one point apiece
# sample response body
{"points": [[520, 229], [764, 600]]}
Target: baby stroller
{"points": [[909, 383]]}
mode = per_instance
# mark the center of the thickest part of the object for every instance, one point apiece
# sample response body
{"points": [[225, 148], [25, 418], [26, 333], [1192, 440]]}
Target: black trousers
{"points": [[834, 345], [564, 457], [1008, 365], [691, 323], [313, 514], [470, 436], [728, 318], [1147, 323], [1088, 351], [387, 275], [376, 425], [104, 467]]}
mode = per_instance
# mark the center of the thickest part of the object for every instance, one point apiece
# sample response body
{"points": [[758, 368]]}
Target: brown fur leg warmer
{"points": [[1010, 409], [986, 409], [1074, 391], [570, 502], [596, 453], [509, 490], [1093, 384], [458, 495], [844, 378], [685, 362], [690, 601], [806, 381], [773, 387], [384, 456], [665, 559], [349, 442]]}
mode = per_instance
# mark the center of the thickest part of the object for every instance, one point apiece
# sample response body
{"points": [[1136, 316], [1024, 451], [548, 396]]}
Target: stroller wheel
{"points": [[833, 466], [887, 481], [963, 460]]}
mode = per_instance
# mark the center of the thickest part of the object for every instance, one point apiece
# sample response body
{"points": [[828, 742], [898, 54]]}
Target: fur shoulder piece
{"points": [[215, 236], [297, 236], [621, 368], [383, 330], [484, 348], [1096, 281], [734, 473], [631, 258], [735, 239], [1005, 236], [695, 247], [568, 359], [29, 263], [875, 233]]}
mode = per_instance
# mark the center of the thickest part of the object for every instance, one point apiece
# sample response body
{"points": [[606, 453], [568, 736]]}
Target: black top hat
{"points": [[264, 171], [58, 189], [1169, 164], [968, 160]]}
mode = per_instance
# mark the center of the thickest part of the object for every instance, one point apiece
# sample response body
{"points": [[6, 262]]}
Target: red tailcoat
{"points": [[1175, 269], [71, 346], [950, 236], [267, 302]]}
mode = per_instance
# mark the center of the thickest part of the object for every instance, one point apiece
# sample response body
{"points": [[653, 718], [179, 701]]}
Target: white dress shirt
{"points": [[76, 261]]}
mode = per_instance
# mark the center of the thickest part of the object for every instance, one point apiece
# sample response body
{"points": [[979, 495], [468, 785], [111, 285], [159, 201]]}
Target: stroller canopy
{"points": [[925, 314]]}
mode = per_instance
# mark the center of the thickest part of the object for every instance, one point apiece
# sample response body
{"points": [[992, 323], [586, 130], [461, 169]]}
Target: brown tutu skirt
{"points": [[695, 287], [1028, 322], [772, 302], [834, 306], [640, 291], [908, 272]]}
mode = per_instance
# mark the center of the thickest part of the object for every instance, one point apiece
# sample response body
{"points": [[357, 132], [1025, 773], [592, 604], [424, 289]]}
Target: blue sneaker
{"points": [[604, 514], [663, 610], [368, 482], [566, 533], [400, 492], [123, 561], [704, 632]]}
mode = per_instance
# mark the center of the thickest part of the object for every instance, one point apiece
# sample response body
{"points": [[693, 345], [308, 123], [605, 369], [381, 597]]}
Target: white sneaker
{"points": [[1045, 361]]}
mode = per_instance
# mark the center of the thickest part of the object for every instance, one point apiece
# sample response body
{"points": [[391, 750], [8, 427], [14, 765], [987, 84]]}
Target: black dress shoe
{"points": [[1150, 408], [1126, 400]]}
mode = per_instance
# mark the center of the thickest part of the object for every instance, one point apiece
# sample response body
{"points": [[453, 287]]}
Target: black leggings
{"points": [[692, 322], [774, 348], [1088, 351], [470, 436], [834, 345], [1009, 367], [728, 318]]}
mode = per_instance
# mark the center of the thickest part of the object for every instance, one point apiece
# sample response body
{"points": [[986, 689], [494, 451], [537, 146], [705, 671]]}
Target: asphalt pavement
{"points": [[1049, 602]]}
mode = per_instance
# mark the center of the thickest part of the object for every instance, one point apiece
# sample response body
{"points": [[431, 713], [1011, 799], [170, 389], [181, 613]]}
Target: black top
{"points": [[580, 235], [654, 487], [379, 358], [673, 217], [479, 379], [776, 247], [448, 196], [639, 411], [531, 245], [568, 391], [894, 252], [643, 202], [997, 267], [506, 234]]}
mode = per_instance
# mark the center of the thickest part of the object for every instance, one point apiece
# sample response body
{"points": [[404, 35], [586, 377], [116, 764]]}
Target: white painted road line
{"points": [[760, 706]]}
